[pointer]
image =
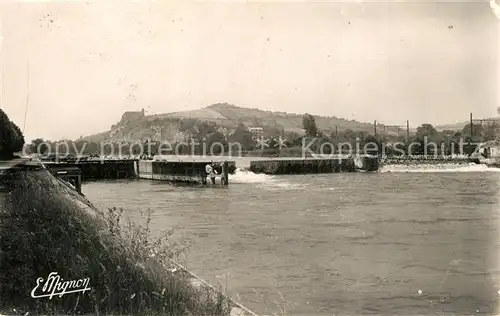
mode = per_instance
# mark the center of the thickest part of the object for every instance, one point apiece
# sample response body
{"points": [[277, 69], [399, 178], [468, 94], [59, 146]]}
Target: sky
{"points": [[88, 62]]}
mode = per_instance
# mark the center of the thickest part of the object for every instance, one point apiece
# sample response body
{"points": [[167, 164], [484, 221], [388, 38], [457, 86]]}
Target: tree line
{"points": [[426, 138], [209, 139]]}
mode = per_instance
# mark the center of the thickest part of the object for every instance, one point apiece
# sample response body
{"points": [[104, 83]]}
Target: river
{"points": [[413, 241]]}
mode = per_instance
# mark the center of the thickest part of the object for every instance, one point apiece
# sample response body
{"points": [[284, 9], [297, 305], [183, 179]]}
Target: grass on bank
{"points": [[45, 227]]}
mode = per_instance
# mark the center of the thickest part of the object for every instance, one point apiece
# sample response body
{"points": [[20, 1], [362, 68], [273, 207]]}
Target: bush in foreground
{"points": [[47, 227]]}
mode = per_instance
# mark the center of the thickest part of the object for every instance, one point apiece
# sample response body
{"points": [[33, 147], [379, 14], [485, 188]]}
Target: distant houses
{"points": [[257, 131]]}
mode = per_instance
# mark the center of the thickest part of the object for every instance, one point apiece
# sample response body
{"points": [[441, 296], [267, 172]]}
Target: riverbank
{"points": [[43, 220]]}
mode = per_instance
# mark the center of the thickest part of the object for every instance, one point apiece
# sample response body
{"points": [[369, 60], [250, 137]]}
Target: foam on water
{"points": [[265, 181], [242, 175], [439, 168], [282, 186], [245, 176]]}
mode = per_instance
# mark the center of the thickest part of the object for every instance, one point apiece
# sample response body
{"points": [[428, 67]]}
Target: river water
{"points": [[413, 241]]}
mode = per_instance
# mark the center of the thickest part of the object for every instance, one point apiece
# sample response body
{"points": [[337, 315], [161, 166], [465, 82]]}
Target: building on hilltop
{"points": [[132, 115]]}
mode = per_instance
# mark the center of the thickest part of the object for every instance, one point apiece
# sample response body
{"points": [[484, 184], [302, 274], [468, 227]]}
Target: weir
{"points": [[405, 160], [98, 169], [191, 172], [314, 165], [178, 171], [184, 171]]}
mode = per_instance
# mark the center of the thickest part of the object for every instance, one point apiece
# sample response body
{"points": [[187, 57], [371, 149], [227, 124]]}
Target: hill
{"points": [[461, 125], [135, 126]]}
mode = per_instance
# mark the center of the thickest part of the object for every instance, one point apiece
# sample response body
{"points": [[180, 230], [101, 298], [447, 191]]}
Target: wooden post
{"points": [[78, 184], [203, 174], [225, 173]]}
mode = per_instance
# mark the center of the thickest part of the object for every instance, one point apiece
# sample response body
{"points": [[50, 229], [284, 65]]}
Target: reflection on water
{"points": [[386, 243]]}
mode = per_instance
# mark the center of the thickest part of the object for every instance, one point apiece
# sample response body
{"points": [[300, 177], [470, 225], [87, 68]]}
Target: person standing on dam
{"points": [[209, 169]]}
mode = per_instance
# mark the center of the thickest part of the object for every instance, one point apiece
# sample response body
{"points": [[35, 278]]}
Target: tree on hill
{"points": [[11, 137], [242, 136], [374, 143], [348, 136], [256, 122], [216, 143], [426, 130], [491, 131], [187, 124], [204, 129], [477, 130], [293, 139], [39, 146], [309, 125]]}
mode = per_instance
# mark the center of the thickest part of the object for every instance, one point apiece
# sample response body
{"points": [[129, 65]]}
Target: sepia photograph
{"points": [[250, 158]]}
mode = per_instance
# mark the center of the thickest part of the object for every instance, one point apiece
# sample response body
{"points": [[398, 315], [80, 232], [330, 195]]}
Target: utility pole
{"points": [[375, 128], [471, 126], [27, 93], [407, 130]]}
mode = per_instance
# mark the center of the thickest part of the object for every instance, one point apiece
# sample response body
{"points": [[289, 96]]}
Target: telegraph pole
{"points": [[471, 126], [27, 93]]}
